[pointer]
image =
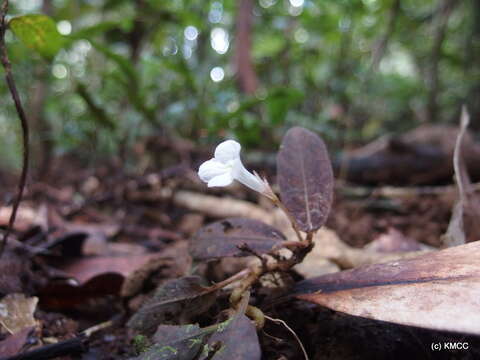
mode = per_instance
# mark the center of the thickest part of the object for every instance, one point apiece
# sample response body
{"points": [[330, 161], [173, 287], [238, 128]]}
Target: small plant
{"points": [[305, 179]]}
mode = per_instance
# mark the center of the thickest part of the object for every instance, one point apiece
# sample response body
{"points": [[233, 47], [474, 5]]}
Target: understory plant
{"points": [[305, 180]]}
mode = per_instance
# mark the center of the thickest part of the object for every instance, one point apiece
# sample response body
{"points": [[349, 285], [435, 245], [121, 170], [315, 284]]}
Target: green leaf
{"points": [[279, 102], [39, 33]]}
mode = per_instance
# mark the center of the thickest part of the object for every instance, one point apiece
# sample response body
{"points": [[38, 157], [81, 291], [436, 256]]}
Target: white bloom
{"points": [[226, 166]]}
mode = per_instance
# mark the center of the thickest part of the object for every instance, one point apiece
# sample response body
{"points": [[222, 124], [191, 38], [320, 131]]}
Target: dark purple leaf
{"points": [[176, 301], [176, 342], [222, 238], [305, 178], [235, 338]]}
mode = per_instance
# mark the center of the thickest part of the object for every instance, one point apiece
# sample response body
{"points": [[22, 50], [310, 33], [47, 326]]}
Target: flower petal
{"points": [[244, 176], [221, 180], [212, 168], [228, 150]]}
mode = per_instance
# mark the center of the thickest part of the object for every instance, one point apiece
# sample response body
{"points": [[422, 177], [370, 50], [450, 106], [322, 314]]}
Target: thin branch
{"points": [[23, 120], [246, 76], [280, 321], [71, 346], [439, 35], [382, 43]]}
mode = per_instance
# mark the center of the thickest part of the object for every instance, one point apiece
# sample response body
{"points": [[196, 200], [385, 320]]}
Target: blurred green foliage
{"points": [[96, 76]]}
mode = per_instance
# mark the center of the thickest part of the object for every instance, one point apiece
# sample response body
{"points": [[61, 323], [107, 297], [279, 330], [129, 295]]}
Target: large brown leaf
{"points": [[305, 178], [437, 290], [222, 238]]}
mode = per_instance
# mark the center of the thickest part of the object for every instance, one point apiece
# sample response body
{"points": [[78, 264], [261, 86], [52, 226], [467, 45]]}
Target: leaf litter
{"points": [[421, 219]]}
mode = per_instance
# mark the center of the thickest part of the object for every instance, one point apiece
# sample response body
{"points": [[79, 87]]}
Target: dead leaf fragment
{"points": [[16, 312], [14, 343], [437, 290]]}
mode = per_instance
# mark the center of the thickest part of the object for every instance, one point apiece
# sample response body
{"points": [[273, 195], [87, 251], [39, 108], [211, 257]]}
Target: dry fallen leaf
{"points": [[123, 275], [14, 343], [16, 312], [437, 290]]}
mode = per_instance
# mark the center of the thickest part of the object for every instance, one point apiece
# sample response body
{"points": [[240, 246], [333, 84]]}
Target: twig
{"points": [[382, 43], [67, 347], [461, 176], [278, 203], [23, 120], [247, 78], [91, 330], [232, 279], [279, 321], [446, 8]]}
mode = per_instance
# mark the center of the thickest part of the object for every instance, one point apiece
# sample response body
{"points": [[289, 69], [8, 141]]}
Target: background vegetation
{"points": [[104, 75]]}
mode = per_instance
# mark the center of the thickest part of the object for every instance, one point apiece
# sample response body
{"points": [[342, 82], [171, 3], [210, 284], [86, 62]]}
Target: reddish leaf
{"points": [[436, 290], [112, 275], [86, 268], [305, 178], [222, 238]]}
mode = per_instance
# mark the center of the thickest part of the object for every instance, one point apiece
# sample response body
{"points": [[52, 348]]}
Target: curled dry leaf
{"points": [[16, 312], [437, 290], [222, 238], [175, 302], [305, 178]]}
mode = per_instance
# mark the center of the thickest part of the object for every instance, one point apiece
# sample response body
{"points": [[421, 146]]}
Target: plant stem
{"points": [[230, 280], [278, 203], [23, 120]]}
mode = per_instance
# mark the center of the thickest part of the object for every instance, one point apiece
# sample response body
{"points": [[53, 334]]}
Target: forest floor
{"points": [[92, 245]]}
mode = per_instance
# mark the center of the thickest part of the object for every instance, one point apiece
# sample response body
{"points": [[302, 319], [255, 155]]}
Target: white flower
{"points": [[226, 166]]}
